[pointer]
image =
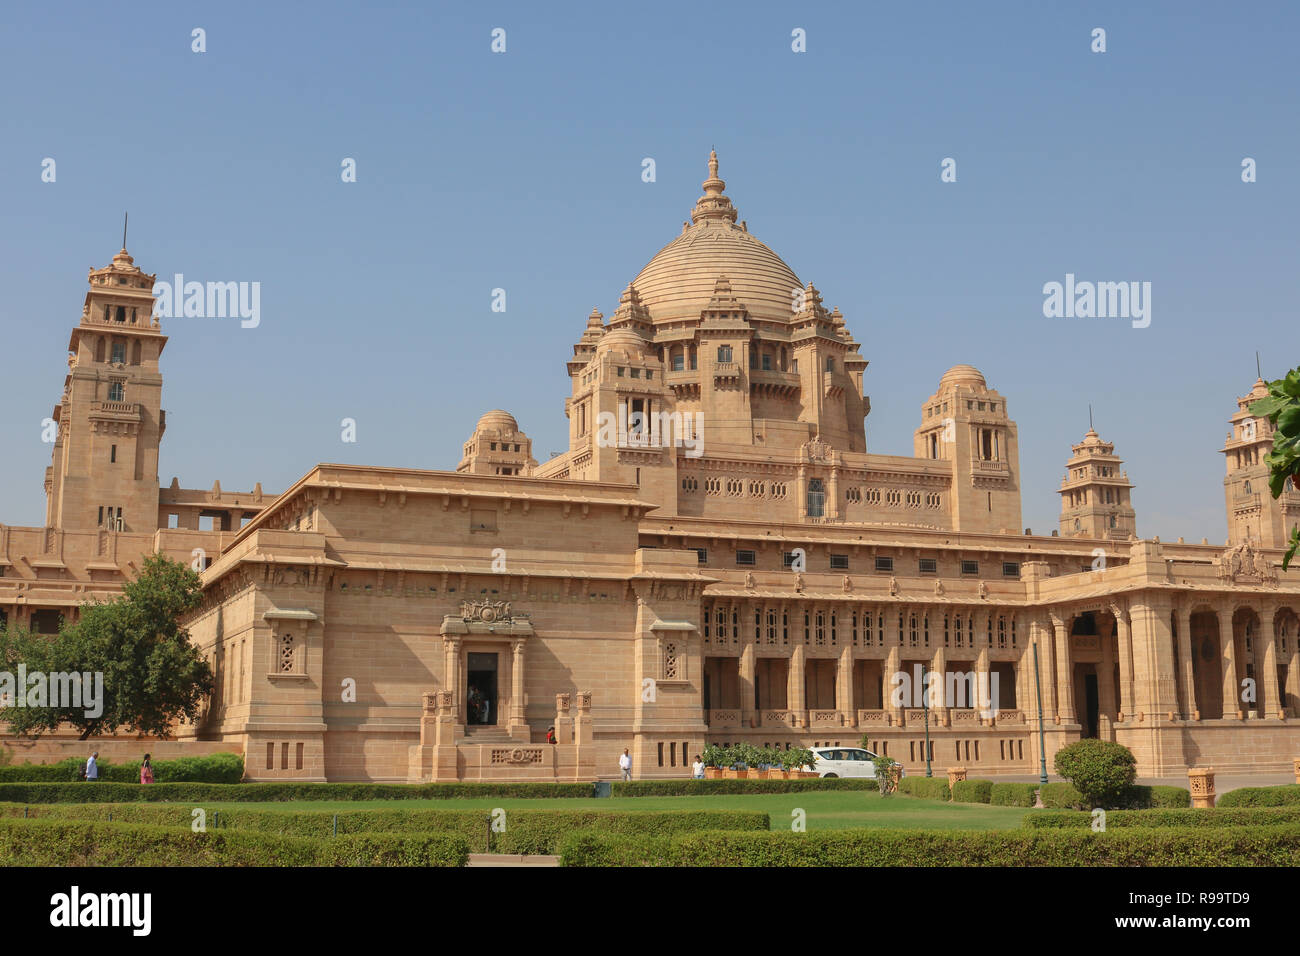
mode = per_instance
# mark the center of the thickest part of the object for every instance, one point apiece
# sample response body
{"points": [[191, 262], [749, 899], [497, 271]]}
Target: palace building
{"points": [[716, 557]]}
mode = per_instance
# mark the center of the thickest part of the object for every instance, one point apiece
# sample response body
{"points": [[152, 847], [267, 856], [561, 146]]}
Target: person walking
{"points": [[92, 767], [697, 768], [146, 770], [625, 764]]}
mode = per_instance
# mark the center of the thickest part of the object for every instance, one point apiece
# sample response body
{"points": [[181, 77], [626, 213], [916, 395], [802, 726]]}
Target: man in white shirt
{"points": [[92, 766], [625, 764], [697, 768]]}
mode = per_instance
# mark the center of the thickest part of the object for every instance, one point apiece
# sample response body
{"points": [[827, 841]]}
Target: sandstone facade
{"points": [[716, 557]]}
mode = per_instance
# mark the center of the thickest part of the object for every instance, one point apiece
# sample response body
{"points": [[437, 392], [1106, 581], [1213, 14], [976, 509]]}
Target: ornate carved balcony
{"points": [[874, 718], [722, 719], [115, 411], [774, 384]]}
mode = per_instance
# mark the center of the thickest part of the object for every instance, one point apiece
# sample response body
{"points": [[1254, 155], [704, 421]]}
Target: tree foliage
{"points": [[1282, 409], [152, 674]]}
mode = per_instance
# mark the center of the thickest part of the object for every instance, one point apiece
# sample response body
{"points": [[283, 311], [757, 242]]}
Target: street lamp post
{"points": [[1042, 746], [925, 707]]}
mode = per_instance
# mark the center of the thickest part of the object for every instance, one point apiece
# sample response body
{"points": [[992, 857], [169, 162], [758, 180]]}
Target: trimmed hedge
{"points": [[972, 791], [927, 788], [1013, 794], [526, 831], [1131, 846], [84, 843], [197, 793], [1261, 797], [213, 768], [686, 788], [1232, 817], [1063, 796]]}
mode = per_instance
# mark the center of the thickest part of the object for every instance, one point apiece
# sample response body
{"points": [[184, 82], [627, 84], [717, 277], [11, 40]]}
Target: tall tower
{"points": [[966, 422], [1096, 495], [1253, 513], [104, 471]]}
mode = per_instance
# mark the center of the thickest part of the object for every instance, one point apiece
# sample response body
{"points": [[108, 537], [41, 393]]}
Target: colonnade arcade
{"points": [[806, 663]]}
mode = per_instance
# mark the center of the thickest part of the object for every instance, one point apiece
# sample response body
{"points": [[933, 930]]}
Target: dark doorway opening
{"points": [[481, 689], [1091, 706]]}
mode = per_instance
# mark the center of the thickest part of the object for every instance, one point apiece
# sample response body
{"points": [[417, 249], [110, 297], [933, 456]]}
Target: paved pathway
{"points": [[511, 859]]}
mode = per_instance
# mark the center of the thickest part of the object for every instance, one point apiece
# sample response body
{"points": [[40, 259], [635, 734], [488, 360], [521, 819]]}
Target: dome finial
{"points": [[713, 204]]}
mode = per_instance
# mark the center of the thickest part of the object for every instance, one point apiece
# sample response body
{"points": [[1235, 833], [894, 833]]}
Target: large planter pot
{"points": [[802, 774], [773, 774], [712, 773], [732, 774]]}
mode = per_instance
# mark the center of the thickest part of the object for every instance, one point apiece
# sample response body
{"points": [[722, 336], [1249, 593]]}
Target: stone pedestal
{"points": [[955, 775], [1200, 781]]}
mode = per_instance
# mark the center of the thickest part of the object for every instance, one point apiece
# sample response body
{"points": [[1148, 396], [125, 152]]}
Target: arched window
{"points": [[830, 364], [1245, 489], [121, 313], [816, 498], [724, 353], [1112, 521], [1077, 526]]}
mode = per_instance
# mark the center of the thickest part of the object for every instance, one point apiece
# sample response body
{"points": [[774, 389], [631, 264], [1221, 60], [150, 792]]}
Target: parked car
{"points": [[843, 762]]}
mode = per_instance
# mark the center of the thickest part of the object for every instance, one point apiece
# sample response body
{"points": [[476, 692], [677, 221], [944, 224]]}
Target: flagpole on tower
{"points": [[125, 217]]}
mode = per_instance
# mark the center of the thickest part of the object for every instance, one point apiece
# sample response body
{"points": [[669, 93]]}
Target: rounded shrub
{"points": [[1099, 770]]}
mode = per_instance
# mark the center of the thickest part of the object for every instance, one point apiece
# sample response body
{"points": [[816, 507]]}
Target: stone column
{"points": [[1046, 669], [1106, 677], [1228, 656], [983, 684], [1128, 708], [1188, 676], [452, 670], [795, 688], [887, 682], [939, 665], [1064, 673], [1272, 703], [844, 688], [518, 722], [745, 678]]}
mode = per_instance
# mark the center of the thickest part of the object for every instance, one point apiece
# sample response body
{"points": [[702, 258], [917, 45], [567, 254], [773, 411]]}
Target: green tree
{"points": [[1282, 409], [1100, 770], [152, 674]]}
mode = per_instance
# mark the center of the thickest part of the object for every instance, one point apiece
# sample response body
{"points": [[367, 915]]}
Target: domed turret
{"points": [[498, 447]]}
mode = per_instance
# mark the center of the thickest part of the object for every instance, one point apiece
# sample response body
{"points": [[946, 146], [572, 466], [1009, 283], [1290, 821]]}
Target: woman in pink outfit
{"points": [[146, 770]]}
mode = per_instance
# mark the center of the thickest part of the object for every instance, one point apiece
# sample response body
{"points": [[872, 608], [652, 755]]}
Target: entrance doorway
{"points": [[1091, 708], [481, 689]]}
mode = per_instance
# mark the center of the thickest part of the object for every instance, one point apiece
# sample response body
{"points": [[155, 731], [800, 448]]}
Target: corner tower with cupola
{"points": [[1254, 515], [104, 472], [1096, 495]]}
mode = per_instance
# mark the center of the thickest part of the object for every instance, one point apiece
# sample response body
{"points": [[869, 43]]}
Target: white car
{"points": [[843, 762]]}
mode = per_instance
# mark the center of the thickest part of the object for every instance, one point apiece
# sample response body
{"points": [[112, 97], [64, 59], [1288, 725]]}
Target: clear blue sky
{"points": [[523, 171]]}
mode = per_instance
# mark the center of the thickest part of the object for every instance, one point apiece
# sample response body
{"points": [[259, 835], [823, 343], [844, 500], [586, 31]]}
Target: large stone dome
{"points": [[679, 281]]}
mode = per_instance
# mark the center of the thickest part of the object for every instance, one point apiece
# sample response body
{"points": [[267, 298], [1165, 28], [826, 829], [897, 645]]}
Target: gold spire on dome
{"points": [[713, 204]]}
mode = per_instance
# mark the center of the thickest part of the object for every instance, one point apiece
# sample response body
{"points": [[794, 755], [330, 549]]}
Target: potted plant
{"points": [[795, 759], [717, 760], [747, 755]]}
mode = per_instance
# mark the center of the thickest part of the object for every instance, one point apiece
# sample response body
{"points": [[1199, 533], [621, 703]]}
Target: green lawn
{"points": [[834, 810]]}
